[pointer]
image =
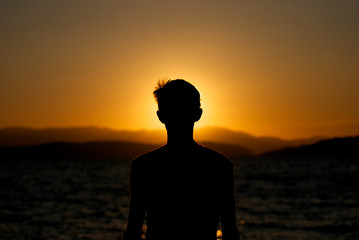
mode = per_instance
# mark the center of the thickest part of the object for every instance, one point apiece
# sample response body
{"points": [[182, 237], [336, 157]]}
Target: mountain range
{"points": [[336, 147], [256, 145], [100, 150]]}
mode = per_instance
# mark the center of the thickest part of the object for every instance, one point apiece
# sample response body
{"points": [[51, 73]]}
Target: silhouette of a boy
{"points": [[184, 188]]}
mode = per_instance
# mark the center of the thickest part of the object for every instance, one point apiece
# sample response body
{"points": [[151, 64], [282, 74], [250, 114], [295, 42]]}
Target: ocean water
{"points": [[277, 198], [298, 198]]}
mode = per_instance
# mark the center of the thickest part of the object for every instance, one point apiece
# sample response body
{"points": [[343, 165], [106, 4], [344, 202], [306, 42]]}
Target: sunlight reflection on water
{"points": [[219, 234]]}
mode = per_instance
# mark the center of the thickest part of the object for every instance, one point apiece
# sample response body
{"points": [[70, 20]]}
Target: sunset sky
{"points": [[283, 68]]}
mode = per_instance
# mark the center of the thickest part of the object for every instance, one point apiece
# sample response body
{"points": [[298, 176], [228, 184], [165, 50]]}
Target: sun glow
{"points": [[103, 68]]}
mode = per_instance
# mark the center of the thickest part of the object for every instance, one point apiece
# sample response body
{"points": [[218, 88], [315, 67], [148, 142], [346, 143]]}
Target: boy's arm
{"points": [[228, 215], [137, 207]]}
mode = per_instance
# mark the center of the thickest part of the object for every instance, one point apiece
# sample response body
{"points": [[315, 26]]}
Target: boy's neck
{"points": [[180, 139]]}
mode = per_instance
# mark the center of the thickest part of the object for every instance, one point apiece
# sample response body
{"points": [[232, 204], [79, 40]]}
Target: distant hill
{"points": [[28, 136], [230, 150], [257, 145], [100, 150], [66, 150], [337, 147]]}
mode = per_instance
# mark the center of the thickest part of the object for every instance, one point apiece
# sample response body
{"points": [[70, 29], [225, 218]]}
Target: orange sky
{"points": [[281, 68]]}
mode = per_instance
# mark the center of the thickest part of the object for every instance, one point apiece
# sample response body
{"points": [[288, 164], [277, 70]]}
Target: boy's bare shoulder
{"points": [[218, 157], [202, 155], [148, 156]]}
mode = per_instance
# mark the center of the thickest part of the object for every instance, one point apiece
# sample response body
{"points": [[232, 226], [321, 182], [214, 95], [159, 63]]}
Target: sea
{"points": [[292, 198]]}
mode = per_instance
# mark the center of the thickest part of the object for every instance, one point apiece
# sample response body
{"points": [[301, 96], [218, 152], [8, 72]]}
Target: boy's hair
{"points": [[170, 94]]}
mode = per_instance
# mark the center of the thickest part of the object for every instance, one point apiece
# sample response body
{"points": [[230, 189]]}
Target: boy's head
{"points": [[178, 102]]}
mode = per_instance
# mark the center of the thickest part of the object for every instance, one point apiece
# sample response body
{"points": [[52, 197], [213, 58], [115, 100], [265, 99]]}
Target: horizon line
{"points": [[159, 129]]}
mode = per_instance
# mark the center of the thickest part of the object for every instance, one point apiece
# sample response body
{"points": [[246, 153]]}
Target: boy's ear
{"points": [[161, 116], [198, 114]]}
